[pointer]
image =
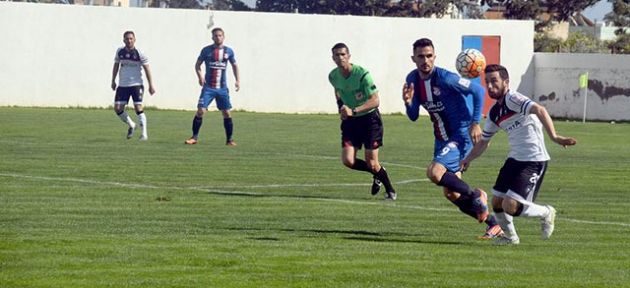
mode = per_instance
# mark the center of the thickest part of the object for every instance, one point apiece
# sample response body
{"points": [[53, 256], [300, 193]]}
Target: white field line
{"points": [[232, 192]]}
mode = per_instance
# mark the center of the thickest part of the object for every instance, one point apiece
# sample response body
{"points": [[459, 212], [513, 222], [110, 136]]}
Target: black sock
{"points": [[361, 166], [465, 205], [229, 126], [491, 221], [196, 125], [455, 184], [382, 175]]}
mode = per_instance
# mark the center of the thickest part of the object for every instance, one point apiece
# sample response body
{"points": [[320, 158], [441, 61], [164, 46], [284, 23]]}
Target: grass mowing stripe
{"points": [[222, 190]]}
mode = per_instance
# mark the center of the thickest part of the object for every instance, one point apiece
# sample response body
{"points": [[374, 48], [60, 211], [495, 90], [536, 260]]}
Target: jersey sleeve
{"points": [[231, 56], [143, 58], [467, 87], [202, 54], [489, 129], [518, 103], [413, 109], [369, 88], [116, 58]]}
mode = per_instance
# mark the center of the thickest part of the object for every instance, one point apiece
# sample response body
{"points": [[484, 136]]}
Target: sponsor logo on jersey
{"points": [[436, 91], [464, 82], [358, 95]]}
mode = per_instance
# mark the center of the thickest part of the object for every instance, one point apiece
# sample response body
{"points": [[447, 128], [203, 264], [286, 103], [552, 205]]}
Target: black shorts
{"points": [[521, 177], [124, 93], [365, 130]]}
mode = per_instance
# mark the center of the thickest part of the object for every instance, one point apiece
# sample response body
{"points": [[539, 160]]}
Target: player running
{"points": [[521, 176], [443, 94]]}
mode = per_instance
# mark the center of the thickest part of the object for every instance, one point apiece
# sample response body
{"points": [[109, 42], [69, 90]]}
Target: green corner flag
{"points": [[584, 80]]}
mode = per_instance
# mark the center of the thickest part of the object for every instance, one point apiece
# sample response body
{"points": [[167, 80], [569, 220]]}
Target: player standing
{"points": [[214, 84], [130, 61], [442, 94], [522, 174], [361, 124]]}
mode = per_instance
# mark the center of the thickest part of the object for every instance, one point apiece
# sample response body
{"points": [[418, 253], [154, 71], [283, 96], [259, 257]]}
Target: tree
{"points": [[554, 10], [400, 8], [579, 42], [232, 5], [620, 15]]}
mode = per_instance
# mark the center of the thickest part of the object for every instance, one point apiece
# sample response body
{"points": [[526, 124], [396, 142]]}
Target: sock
{"points": [[125, 118], [229, 126], [142, 120], [465, 205], [361, 165], [454, 183], [535, 210], [491, 220], [505, 221], [197, 121], [382, 175]]}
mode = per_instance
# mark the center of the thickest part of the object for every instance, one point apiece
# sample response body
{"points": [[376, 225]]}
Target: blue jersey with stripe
{"points": [[443, 96], [216, 59]]}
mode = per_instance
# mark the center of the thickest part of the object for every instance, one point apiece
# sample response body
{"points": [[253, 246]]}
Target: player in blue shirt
{"points": [[443, 94], [214, 84]]}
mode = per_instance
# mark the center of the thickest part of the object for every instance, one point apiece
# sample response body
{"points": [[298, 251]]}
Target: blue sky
{"points": [[598, 11]]}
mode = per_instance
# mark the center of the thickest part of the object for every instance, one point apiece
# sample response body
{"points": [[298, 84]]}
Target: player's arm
{"points": [[200, 78], [477, 150], [412, 106], [114, 73], [544, 117], [237, 78], [147, 72]]}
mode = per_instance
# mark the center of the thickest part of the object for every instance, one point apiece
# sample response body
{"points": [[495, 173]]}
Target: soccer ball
{"points": [[470, 63]]}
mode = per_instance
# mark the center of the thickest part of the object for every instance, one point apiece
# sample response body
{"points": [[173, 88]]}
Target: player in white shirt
{"points": [[522, 173], [130, 62]]}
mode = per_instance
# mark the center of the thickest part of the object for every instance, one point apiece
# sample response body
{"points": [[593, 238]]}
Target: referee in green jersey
{"points": [[361, 124]]}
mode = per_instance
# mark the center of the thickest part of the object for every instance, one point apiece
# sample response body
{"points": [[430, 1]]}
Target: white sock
{"points": [[142, 119], [125, 118], [535, 210], [506, 223]]}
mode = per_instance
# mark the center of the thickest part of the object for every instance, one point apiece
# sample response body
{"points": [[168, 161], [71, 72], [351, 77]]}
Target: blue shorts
{"points": [[449, 153], [208, 94]]}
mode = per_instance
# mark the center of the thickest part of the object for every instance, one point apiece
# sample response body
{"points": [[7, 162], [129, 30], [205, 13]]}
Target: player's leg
{"points": [[205, 98], [224, 104], [523, 192], [508, 174], [371, 135], [444, 171], [136, 95], [120, 101], [380, 174]]}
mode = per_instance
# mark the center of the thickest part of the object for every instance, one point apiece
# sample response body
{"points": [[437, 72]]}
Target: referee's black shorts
{"points": [[365, 130]]}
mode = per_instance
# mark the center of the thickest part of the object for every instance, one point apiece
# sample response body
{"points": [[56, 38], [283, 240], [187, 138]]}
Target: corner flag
{"points": [[584, 80]]}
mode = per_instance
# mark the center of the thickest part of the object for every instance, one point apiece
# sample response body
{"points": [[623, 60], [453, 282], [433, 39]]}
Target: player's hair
{"points": [[423, 42], [217, 29], [496, 67], [339, 46], [128, 32]]}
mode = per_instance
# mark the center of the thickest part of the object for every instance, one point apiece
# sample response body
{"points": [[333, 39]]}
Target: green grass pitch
{"points": [[81, 206]]}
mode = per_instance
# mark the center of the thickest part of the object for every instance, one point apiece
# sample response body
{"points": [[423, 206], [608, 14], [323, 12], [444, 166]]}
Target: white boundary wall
{"points": [[557, 85], [62, 55]]}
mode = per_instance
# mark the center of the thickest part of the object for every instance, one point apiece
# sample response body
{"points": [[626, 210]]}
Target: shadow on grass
{"points": [[354, 235]]}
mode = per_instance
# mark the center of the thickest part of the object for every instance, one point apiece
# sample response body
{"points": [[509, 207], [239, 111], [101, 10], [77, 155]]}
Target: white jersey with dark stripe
{"points": [[131, 61], [525, 131], [216, 59]]}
